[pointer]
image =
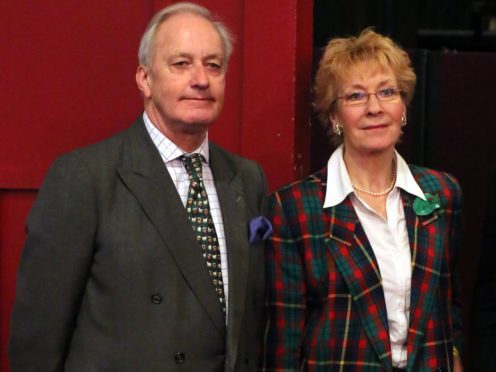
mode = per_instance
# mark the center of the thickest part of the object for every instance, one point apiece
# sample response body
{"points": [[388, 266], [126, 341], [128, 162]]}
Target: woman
{"points": [[360, 266]]}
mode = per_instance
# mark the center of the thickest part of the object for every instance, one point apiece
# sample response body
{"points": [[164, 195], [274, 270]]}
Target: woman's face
{"points": [[373, 126]]}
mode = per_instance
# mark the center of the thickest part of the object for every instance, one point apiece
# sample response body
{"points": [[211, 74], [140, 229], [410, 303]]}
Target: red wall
{"points": [[67, 78]]}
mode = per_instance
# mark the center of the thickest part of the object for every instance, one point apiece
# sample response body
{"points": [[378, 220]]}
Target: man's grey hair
{"points": [[148, 39]]}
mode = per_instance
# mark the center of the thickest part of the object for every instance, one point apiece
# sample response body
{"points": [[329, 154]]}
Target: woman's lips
{"points": [[375, 126]]}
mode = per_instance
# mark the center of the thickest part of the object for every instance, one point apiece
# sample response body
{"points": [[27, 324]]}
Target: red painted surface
{"points": [[68, 80], [14, 207], [276, 77], [67, 77]]}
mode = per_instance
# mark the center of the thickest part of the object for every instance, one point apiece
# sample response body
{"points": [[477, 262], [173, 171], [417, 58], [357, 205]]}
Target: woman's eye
{"points": [[355, 96], [388, 92]]}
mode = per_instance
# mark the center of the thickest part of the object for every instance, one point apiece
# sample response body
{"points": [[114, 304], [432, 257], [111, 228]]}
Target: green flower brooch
{"points": [[426, 207]]}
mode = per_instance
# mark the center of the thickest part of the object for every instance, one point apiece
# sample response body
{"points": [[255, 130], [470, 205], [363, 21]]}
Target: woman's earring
{"points": [[338, 129], [403, 120]]}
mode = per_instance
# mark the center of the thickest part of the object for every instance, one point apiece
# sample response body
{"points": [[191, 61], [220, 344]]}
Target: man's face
{"points": [[184, 86]]}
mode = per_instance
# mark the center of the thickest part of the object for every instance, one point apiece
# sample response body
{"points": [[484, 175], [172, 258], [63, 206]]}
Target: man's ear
{"points": [[143, 81]]}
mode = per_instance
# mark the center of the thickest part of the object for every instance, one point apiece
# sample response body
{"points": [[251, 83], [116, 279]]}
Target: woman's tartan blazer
{"points": [[325, 307]]}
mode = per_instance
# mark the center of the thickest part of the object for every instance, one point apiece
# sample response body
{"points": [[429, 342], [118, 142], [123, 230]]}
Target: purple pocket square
{"points": [[260, 229]]}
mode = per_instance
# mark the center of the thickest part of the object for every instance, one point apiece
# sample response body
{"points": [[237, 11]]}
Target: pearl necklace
{"points": [[380, 193]]}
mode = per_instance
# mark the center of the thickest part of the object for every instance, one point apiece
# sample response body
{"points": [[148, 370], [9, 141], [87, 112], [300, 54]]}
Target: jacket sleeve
{"points": [[54, 266], [455, 245], [285, 303]]}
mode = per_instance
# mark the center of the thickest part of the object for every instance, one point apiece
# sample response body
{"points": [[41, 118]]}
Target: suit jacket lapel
{"points": [[357, 263], [230, 191], [426, 244], [145, 175]]}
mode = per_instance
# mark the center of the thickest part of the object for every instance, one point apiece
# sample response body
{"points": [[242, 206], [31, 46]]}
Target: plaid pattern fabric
{"points": [[325, 307]]}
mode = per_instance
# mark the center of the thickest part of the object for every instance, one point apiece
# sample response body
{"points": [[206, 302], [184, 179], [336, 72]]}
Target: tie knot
{"points": [[193, 165]]}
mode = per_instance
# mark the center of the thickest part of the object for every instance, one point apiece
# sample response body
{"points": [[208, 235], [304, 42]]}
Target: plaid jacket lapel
{"points": [[357, 263], [425, 238]]}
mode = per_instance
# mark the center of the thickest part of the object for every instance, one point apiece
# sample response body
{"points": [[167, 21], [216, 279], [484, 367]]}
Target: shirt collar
{"points": [[168, 149], [339, 183], [405, 179], [338, 180]]}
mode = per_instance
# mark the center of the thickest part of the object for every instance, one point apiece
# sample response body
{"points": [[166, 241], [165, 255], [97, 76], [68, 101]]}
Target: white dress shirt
{"points": [[389, 241], [171, 154]]}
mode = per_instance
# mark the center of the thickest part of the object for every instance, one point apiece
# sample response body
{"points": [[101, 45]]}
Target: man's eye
{"points": [[355, 96], [214, 66], [180, 63], [388, 92]]}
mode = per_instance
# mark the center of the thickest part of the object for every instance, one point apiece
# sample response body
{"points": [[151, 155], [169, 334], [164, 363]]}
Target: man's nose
{"points": [[199, 77]]}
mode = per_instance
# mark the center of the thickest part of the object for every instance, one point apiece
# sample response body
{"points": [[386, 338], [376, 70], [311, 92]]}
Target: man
{"points": [[112, 276]]}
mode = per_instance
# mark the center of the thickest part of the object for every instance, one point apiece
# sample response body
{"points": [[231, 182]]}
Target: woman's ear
{"points": [[333, 118]]}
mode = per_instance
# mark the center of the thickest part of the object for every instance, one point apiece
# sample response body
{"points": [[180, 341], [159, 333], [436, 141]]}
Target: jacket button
{"points": [[156, 298], [179, 358]]}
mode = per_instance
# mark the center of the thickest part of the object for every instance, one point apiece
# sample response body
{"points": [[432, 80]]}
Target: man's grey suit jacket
{"points": [[112, 279]]}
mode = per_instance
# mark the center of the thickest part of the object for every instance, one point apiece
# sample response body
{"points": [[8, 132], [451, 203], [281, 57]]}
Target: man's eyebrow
{"points": [[189, 55], [180, 54], [213, 55]]}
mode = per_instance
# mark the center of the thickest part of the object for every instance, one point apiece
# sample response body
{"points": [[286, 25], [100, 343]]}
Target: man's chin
{"points": [[196, 125]]}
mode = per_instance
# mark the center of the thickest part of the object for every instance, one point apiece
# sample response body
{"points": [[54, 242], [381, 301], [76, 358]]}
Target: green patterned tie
{"points": [[198, 209]]}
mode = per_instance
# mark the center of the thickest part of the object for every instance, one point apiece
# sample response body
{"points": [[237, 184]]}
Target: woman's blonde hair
{"points": [[341, 54]]}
